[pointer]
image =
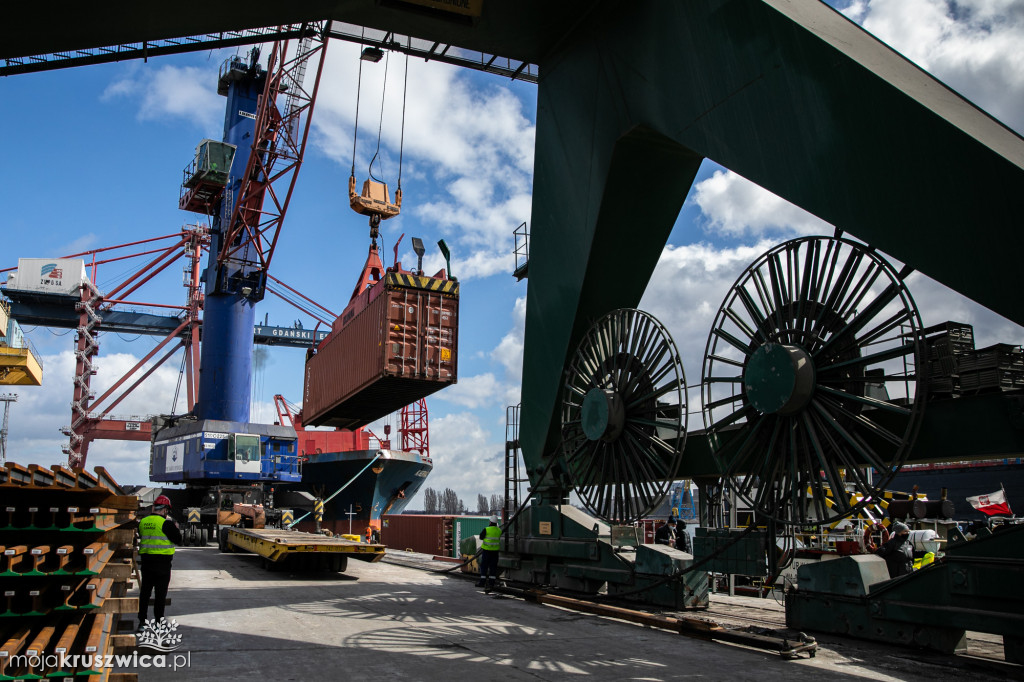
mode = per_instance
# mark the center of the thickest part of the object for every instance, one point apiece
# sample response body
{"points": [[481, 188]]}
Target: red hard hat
{"points": [[162, 501]]}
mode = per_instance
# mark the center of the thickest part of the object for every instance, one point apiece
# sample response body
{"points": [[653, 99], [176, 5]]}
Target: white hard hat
{"points": [[494, 519]]}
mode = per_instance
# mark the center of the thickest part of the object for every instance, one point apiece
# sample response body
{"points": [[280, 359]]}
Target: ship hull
{"points": [[965, 480], [369, 485]]}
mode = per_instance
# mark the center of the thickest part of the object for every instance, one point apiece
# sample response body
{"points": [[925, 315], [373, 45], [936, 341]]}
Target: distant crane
{"points": [[6, 399]]}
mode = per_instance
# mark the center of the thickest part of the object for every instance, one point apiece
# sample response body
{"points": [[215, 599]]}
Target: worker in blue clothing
{"points": [[158, 535], [489, 538]]}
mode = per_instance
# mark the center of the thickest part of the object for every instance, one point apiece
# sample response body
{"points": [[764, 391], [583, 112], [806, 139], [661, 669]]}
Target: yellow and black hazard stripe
{"points": [[318, 510], [288, 517], [193, 515], [870, 512], [444, 286]]}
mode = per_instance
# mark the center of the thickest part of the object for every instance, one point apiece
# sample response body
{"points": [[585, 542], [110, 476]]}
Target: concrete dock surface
{"points": [[389, 620]]}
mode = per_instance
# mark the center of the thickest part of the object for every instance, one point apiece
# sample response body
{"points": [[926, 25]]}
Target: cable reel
{"points": [[813, 373], [623, 415]]}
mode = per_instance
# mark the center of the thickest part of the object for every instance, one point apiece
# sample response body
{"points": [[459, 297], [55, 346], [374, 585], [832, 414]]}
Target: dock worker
{"points": [[898, 551], [158, 535], [664, 534], [489, 553], [683, 538]]}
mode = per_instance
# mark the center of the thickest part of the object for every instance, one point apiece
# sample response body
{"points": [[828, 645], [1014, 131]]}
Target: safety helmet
{"points": [[162, 501], [494, 519]]}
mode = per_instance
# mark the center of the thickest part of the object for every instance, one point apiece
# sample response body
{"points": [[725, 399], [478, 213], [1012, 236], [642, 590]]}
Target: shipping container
{"points": [[468, 527], [63, 276], [423, 533], [396, 343]]}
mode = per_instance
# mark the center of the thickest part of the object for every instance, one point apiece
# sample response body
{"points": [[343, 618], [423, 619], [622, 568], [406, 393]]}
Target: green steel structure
{"points": [[975, 588], [632, 96]]}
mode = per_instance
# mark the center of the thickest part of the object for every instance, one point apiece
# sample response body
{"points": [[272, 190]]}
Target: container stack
{"points": [[996, 368], [65, 561], [946, 344]]}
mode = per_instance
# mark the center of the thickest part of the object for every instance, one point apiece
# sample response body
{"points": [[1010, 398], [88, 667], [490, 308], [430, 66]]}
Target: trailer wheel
{"points": [[339, 563], [222, 543], [204, 537]]}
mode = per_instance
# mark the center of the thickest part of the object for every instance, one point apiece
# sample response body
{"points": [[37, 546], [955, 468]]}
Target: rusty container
{"points": [[396, 343], [423, 533]]}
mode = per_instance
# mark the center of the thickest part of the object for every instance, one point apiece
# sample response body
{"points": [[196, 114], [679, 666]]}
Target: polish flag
{"points": [[993, 504]]}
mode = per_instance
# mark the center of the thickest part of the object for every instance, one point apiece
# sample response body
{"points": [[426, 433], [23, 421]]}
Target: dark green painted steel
{"points": [[740, 556], [976, 587], [634, 95], [632, 100], [523, 30], [778, 379]]}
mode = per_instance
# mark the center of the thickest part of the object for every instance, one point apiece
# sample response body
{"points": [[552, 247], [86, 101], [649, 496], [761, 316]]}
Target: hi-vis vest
{"points": [[152, 538], [491, 535]]}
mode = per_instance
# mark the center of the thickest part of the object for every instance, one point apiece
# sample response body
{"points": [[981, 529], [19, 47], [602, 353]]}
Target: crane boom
{"points": [[277, 151]]}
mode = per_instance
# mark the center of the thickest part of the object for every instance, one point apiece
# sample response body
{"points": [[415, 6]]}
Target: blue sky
{"points": [[94, 155]]}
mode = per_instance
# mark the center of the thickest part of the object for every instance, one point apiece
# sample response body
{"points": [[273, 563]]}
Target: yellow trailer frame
{"points": [[276, 545]]}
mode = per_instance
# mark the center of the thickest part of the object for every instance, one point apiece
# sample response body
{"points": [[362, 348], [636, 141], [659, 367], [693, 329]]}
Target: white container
{"points": [[49, 275]]}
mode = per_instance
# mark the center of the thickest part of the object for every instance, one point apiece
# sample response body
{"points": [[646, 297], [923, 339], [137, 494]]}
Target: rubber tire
{"points": [[186, 538], [222, 543], [204, 537]]}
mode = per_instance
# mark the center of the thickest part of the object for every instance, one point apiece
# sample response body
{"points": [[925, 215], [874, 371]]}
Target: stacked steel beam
{"points": [[65, 560]]}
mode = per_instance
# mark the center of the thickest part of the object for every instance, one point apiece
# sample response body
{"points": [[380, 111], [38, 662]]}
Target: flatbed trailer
{"points": [[307, 550]]}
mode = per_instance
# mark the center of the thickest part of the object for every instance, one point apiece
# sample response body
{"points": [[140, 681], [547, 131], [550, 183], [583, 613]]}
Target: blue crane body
{"points": [[217, 442]]}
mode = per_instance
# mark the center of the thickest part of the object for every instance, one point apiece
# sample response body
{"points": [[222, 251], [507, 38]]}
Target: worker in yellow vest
{"points": [[158, 535], [489, 546]]}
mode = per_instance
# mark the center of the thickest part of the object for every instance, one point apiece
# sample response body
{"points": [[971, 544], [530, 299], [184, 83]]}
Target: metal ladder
{"points": [[513, 477]]}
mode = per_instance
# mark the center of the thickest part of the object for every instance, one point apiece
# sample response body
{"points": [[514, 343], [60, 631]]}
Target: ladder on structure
{"points": [[6, 399], [513, 477]]}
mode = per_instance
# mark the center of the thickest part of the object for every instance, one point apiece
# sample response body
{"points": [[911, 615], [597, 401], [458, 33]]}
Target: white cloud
{"points": [[83, 243], [40, 411], [938, 303], [475, 143], [974, 46], [736, 207], [687, 287], [509, 351], [477, 391], [170, 92], [465, 458]]}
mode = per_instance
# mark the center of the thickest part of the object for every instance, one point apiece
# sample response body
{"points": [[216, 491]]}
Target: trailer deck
{"points": [[277, 545]]}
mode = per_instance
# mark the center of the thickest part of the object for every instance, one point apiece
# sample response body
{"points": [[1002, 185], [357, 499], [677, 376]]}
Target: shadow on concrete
{"points": [[429, 626], [475, 652], [247, 567]]}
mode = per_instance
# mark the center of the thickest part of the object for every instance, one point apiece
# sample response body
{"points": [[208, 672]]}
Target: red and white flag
{"points": [[993, 504]]}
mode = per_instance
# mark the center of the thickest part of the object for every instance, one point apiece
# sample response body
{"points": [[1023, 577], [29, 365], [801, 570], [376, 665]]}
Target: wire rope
{"points": [[355, 131], [380, 124], [405, 90]]}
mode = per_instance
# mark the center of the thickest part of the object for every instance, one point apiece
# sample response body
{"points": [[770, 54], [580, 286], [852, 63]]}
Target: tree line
{"points": [[447, 502]]}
